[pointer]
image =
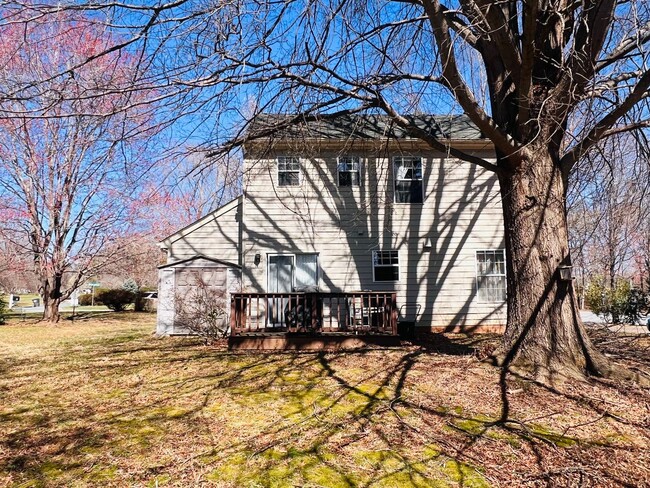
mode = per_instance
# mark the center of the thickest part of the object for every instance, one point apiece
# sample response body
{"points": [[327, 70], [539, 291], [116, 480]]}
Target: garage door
{"points": [[196, 291]]}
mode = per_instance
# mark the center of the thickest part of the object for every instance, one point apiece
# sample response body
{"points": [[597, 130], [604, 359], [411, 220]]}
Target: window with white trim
{"points": [[491, 275], [288, 171], [408, 179], [348, 169], [385, 265]]}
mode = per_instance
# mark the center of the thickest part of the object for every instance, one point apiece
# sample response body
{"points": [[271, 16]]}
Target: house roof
{"points": [[200, 222], [454, 127], [199, 256]]}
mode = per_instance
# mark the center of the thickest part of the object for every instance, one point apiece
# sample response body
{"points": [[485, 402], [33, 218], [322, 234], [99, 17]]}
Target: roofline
{"points": [[266, 144], [199, 256], [199, 222]]}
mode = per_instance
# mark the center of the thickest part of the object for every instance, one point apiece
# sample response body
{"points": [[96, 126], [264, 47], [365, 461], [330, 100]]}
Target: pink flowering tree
{"points": [[72, 150]]}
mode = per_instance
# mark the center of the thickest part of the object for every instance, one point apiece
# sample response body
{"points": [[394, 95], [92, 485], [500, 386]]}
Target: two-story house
{"points": [[368, 224]]}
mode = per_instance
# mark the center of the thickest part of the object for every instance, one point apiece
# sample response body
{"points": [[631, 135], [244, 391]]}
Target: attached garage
{"points": [[186, 286]]}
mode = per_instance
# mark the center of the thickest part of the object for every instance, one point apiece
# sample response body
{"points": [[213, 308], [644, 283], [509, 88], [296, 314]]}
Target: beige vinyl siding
{"points": [[216, 235], [461, 214]]}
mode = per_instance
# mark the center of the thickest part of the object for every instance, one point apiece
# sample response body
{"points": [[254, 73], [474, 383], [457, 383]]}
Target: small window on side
{"points": [[288, 171], [349, 171]]}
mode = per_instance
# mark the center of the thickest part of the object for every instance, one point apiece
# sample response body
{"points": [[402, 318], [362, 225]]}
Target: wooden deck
{"points": [[312, 321]]}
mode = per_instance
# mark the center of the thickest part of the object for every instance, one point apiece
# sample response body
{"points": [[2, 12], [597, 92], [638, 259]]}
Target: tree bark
{"points": [[52, 297], [545, 336]]}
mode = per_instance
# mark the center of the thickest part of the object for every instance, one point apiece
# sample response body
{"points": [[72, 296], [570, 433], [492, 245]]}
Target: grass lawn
{"points": [[102, 402]]}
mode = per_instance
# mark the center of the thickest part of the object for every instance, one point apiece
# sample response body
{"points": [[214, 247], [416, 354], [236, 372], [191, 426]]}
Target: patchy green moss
{"points": [[116, 393], [408, 479], [51, 470], [280, 476], [303, 402], [469, 426], [8, 413], [613, 439], [103, 473], [138, 432], [431, 451], [464, 474], [274, 454], [232, 470], [242, 470], [379, 460], [159, 480], [373, 391], [548, 435], [170, 412], [327, 476]]}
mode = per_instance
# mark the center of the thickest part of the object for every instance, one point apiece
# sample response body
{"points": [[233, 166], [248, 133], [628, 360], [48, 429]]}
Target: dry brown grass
{"points": [[104, 403]]}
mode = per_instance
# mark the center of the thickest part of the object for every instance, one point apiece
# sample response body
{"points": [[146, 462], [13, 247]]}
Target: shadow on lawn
{"points": [[160, 410]]}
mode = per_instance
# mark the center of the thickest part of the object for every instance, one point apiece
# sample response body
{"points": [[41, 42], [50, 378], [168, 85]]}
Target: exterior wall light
{"points": [[565, 272], [258, 258]]}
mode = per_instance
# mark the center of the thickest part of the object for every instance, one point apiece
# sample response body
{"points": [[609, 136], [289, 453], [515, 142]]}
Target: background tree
{"points": [[71, 158], [543, 80], [16, 269], [607, 210]]}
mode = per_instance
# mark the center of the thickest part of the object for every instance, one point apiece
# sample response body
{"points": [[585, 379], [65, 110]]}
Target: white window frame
{"points": [[412, 159], [286, 159], [374, 279], [499, 275], [350, 160], [293, 266]]}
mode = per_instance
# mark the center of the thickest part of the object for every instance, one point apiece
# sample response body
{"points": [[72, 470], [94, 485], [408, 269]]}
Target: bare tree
{"points": [[69, 171], [543, 80], [607, 210]]}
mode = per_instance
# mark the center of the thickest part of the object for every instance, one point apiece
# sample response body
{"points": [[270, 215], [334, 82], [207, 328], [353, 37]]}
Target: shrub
{"points": [[85, 299], [116, 299], [596, 296], [203, 312], [139, 302], [620, 304], [635, 306], [130, 285]]}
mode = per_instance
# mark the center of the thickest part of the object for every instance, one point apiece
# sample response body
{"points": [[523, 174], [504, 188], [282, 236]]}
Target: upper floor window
{"points": [[348, 169], [288, 171], [491, 275], [385, 265], [408, 179]]}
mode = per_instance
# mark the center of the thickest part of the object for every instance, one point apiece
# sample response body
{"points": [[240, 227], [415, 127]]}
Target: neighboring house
{"points": [[351, 205]]}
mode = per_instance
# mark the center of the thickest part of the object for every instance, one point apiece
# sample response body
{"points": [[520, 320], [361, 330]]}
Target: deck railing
{"points": [[356, 312]]}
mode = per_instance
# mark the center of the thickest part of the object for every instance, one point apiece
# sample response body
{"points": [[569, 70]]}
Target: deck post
{"points": [[233, 316], [314, 311], [393, 315], [241, 312]]}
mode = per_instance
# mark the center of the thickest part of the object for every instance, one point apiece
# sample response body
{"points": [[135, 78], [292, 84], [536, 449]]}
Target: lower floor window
{"points": [[385, 265], [491, 275]]}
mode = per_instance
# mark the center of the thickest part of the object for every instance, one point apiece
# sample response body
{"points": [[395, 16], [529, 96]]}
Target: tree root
{"points": [[554, 372]]}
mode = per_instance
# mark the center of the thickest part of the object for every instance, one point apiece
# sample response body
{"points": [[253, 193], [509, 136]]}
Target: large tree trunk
{"points": [[544, 335], [52, 297]]}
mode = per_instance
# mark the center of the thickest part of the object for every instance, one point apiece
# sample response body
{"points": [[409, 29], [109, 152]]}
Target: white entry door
{"points": [[280, 274], [280, 279]]}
